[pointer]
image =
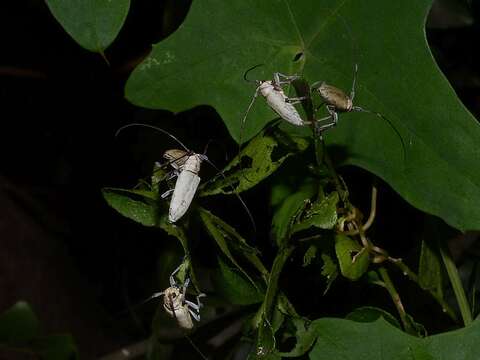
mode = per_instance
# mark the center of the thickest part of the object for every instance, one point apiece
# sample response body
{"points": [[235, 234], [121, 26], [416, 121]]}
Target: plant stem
{"points": [[457, 286], [414, 277], [396, 300]]}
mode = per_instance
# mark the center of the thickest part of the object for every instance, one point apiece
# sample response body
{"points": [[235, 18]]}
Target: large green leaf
{"points": [[344, 339], [138, 205], [93, 24], [204, 61]]}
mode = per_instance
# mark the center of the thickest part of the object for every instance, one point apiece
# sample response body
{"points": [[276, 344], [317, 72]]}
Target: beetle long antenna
{"points": [[250, 216], [246, 72], [206, 147], [152, 127], [154, 296], [244, 120], [196, 347], [358, 108]]}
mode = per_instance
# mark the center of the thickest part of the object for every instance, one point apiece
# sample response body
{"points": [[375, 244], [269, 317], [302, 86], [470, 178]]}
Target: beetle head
{"points": [[173, 298]]}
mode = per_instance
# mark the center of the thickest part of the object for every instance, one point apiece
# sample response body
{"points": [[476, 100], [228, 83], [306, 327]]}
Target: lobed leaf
{"points": [[93, 24], [345, 339], [204, 62]]}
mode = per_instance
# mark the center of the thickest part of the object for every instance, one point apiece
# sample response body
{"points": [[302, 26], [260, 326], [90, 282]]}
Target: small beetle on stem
{"points": [[176, 305], [179, 308], [337, 101]]}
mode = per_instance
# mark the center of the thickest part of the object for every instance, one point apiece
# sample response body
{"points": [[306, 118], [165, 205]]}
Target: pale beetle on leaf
{"points": [[276, 98], [186, 166]]}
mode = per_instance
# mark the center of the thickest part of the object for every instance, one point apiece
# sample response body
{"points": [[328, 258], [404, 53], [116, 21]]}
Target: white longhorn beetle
{"points": [[276, 99], [179, 308], [176, 305], [336, 101], [186, 166]]}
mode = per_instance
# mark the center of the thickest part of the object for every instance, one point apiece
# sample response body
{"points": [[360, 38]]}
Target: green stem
{"points": [[456, 284], [414, 277], [266, 336], [396, 299]]}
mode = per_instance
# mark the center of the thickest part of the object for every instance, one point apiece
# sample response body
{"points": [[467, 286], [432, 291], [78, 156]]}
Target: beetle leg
{"points": [[198, 299], [319, 128], [198, 305], [195, 315], [332, 111], [287, 79], [352, 93], [185, 286], [171, 175], [172, 278], [295, 100], [167, 193]]}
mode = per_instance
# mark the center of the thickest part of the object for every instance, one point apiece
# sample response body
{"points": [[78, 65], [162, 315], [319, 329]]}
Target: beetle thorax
{"points": [[193, 163], [177, 157], [266, 88], [172, 299]]}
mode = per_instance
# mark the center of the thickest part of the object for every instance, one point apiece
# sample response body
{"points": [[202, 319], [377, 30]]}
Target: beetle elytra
{"points": [[186, 167]]}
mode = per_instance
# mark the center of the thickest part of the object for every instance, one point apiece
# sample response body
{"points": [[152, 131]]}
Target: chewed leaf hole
{"points": [[298, 56]]}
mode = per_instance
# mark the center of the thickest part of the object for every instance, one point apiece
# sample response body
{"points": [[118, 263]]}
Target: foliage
{"points": [[20, 331], [313, 210]]}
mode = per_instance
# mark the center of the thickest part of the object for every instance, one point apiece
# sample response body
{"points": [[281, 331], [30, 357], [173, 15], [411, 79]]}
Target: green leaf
{"points": [[329, 270], [348, 340], [370, 314], [18, 324], [309, 255], [234, 287], [353, 258], [265, 337], [284, 216], [260, 158], [344, 339], [322, 214], [176, 231], [430, 269], [133, 204], [305, 336], [93, 24], [203, 62], [223, 235]]}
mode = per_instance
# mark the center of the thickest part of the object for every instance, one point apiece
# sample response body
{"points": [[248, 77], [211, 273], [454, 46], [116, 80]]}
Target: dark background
{"points": [[63, 249]]}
